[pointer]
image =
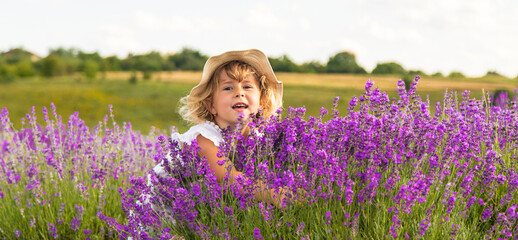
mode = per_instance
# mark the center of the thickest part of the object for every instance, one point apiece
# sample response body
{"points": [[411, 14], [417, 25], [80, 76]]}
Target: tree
{"points": [[64, 53], [148, 62], [128, 63], [91, 68], [493, 73], [417, 73], [438, 75], [51, 66], [7, 73], [388, 68], [25, 68], [113, 63], [92, 59], [283, 64], [313, 67], [344, 62], [70, 61], [188, 59], [455, 74]]}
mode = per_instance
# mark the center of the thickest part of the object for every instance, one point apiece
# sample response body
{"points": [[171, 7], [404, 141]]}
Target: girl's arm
{"points": [[210, 151]]}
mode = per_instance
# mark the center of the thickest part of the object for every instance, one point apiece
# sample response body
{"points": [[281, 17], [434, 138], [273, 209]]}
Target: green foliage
{"points": [[133, 78], [455, 74], [89, 56], [91, 68], [389, 68], [69, 60], [313, 67], [437, 75], [150, 62], [493, 73], [25, 69], [51, 65], [128, 63], [146, 75], [344, 62], [7, 73], [16, 63], [64, 53], [417, 73], [16, 55], [408, 79], [188, 59], [113, 63], [283, 64], [61, 61]]}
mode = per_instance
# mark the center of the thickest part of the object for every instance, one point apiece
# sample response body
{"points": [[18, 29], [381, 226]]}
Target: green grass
{"points": [[155, 103], [144, 105]]}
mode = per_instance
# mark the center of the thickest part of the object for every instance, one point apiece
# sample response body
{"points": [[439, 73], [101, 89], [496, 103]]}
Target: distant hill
{"points": [[18, 54]]}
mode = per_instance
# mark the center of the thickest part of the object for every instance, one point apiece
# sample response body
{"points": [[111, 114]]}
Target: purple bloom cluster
{"points": [[422, 169], [55, 175]]}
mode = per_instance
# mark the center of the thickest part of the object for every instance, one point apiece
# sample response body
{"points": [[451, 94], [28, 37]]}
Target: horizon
{"points": [[369, 72]]}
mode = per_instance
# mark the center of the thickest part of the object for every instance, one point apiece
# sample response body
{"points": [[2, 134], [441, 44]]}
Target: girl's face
{"points": [[232, 97]]}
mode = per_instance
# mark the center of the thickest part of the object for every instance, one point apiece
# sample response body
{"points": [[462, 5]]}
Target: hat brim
{"points": [[255, 58]]}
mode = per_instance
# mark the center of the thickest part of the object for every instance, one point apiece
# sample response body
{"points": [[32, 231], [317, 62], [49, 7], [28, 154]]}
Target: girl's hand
{"points": [[287, 195]]}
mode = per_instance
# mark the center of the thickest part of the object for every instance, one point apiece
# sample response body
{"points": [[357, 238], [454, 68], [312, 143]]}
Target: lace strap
{"points": [[207, 129]]}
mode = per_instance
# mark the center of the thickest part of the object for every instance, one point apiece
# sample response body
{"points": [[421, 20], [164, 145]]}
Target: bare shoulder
{"points": [[206, 144]]}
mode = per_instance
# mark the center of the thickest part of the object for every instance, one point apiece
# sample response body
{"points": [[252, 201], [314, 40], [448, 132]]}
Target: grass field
{"points": [[155, 102]]}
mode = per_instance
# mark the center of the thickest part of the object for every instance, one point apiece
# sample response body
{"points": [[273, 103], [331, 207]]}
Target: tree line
{"points": [[18, 62]]}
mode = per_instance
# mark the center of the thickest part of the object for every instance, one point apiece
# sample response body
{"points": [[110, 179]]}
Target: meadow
{"points": [[377, 164], [154, 102]]}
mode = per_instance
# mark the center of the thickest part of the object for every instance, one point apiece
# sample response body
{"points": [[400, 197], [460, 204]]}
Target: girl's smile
{"points": [[233, 97]]}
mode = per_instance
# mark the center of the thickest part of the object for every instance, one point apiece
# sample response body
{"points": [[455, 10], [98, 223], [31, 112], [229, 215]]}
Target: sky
{"points": [[470, 36]]}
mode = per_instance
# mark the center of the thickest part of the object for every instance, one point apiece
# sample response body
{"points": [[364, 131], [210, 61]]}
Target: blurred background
{"points": [[142, 57]]}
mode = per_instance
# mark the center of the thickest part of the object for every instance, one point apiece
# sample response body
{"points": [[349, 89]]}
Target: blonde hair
{"points": [[195, 106]]}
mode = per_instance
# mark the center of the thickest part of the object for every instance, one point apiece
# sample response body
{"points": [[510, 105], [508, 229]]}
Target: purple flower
{"points": [[257, 234], [511, 212], [53, 231], [75, 224], [451, 203], [264, 212], [486, 214], [328, 218], [300, 229]]}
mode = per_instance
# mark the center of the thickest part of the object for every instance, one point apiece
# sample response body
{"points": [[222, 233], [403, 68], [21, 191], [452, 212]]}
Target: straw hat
{"points": [[255, 58]]}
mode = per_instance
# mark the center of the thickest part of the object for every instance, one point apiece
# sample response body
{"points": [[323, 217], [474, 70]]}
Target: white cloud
{"points": [[148, 21], [262, 16], [180, 24], [305, 24], [116, 39]]}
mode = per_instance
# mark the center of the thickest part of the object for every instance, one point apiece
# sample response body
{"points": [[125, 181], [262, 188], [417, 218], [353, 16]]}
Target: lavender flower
{"points": [[257, 234]]}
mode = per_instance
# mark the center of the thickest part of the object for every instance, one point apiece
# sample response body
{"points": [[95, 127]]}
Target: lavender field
{"points": [[383, 168]]}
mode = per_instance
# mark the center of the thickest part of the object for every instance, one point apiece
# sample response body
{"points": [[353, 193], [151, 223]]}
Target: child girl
{"points": [[232, 84]]}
